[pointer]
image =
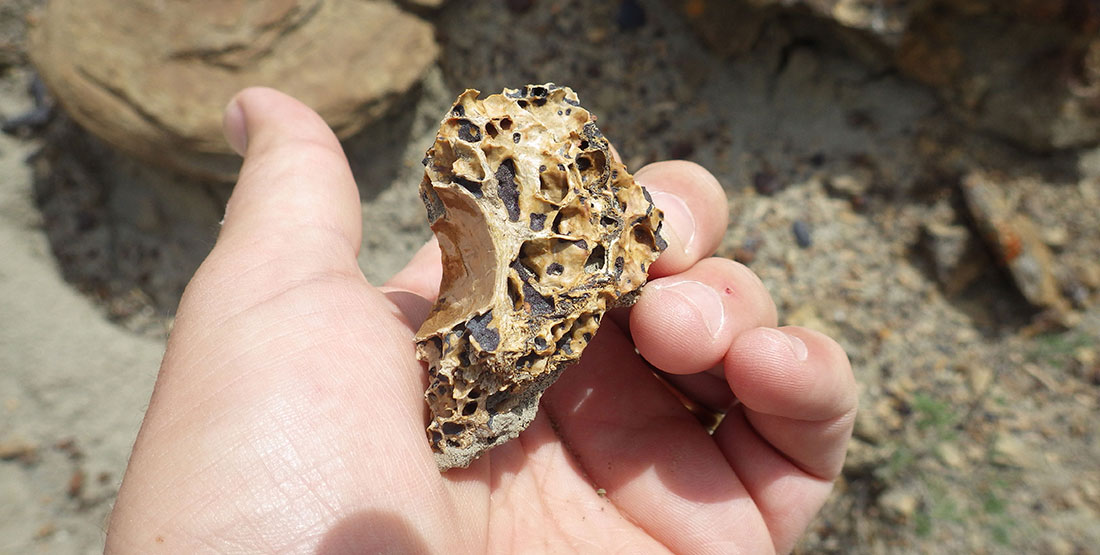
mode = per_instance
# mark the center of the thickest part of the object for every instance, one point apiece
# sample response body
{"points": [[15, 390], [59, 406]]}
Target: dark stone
{"points": [[802, 234], [631, 15]]}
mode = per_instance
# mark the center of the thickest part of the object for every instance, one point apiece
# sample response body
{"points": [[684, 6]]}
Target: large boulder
{"points": [[152, 77], [1025, 70]]}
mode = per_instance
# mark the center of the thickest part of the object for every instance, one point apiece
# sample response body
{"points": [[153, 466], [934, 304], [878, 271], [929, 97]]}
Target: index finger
{"points": [[695, 213]]}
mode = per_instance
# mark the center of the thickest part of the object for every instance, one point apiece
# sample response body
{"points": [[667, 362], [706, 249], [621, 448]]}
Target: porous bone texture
{"points": [[542, 231]]}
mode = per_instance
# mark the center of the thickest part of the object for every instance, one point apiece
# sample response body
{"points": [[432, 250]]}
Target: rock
{"points": [[978, 377], [767, 182], [802, 234], [852, 184], [18, 451], [956, 255], [631, 15], [35, 119], [541, 231], [745, 252], [519, 6], [1015, 242], [152, 78], [809, 316], [732, 27], [1026, 71], [1087, 366], [863, 457], [1011, 451], [985, 58], [1056, 236], [13, 32], [1085, 356], [1057, 545], [950, 454], [870, 428], [728, 28], [899, 503], [1088, 272]]}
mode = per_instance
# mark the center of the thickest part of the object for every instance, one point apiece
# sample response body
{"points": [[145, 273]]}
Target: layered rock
{"points": [[151, 78], [1026, 70]]}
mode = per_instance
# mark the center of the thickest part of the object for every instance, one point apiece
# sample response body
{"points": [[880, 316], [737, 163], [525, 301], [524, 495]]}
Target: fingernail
{"points": [[797, 346], [234, 127], [702, 298], [678, 218]]}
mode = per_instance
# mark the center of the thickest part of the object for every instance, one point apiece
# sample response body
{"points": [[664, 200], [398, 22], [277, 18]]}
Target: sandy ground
{"points": [[73, 385], [978, 429]]}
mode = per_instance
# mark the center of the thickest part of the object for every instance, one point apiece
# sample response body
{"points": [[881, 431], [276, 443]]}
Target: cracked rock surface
{"points": [[541, 231]]}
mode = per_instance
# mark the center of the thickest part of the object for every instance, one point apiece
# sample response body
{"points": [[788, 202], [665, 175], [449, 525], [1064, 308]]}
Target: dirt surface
{"points": [[978, 425]]}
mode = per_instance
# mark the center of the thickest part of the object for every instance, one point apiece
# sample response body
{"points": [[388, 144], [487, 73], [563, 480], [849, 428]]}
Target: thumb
{"points": [[294, 215], [422, 274], [295, 187]]}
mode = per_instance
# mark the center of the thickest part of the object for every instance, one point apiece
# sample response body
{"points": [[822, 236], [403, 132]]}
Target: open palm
{"points": [[288, 415]]}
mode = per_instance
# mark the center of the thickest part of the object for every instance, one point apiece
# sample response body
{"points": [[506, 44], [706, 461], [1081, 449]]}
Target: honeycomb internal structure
{"points": [[542, 231]]}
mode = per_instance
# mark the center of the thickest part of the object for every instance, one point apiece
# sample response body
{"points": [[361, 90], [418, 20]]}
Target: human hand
{"points": [[288, 415]]}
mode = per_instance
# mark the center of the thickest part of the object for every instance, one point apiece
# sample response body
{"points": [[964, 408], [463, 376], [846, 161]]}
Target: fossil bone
{"points": [[542, 230]]}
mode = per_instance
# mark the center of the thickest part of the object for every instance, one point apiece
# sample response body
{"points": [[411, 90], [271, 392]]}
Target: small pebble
{"points": [[950, 455], [519, 6], [45, 531], [18, 451], [744, 255], [76, 484], [746, 252], [766, 182], [802, 234], [899, 504], [1011, 451], [631, 15], [681, 150], [28, 122]]}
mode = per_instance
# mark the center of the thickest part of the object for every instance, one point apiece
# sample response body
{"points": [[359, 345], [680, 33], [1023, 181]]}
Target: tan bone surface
{"points": [[542, 231]]}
